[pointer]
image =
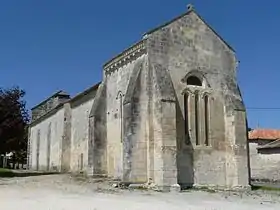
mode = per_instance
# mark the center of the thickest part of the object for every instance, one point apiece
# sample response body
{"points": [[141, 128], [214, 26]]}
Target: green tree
{"points": [[14, 120]]}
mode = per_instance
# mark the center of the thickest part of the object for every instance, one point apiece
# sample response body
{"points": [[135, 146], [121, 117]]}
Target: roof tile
{"points": [[266, 134]]}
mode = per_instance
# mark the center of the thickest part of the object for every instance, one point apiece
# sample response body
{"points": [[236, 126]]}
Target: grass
{"points": [[265, 188], [13, 173], [6, 172]]}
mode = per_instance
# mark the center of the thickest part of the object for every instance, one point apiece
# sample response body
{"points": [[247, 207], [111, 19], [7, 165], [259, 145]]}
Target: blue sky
{"points": [[50, 45]]}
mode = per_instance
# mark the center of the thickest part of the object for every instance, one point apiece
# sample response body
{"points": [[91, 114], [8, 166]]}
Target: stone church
{"points": [[168, 113]]}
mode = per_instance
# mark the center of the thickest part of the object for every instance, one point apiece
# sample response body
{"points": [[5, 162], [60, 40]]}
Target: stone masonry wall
{"points": [[136, 125], [97, 144], [264, 165], [63, 136], [49, 104], [117, 84], [80, 134], [66, 139], [55, 123], [188, 46]]}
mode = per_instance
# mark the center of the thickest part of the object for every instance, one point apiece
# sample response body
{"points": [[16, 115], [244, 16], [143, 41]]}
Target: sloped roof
{"points": [[58, 93], [62, 93], [271, 145], [265, 134], [85, 92], [185, 14]]}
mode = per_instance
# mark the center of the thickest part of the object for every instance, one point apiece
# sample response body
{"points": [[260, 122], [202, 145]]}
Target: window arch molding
{"points": [[197, 96], [196, 75]]}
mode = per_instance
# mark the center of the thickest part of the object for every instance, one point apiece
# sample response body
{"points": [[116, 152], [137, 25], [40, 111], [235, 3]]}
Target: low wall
{"points": [[265, 163]]}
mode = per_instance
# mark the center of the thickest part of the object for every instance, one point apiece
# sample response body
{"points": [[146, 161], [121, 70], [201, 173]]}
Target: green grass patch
{"points": [[13, 173], [6, 172], [265, 188]]}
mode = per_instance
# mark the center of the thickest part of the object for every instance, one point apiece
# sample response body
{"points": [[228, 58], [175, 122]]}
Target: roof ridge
{"points": [[190, 10], [53, 95]]}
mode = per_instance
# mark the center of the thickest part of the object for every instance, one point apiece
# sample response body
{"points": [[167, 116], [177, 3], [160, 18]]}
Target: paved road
{"points": [[59, 192]]}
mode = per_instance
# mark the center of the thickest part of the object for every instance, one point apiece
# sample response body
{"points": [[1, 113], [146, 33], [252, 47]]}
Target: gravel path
{"points": [[59, 192]]}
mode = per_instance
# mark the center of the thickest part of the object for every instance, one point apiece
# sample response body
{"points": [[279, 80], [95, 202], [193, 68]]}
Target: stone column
{"points": [[165, 155], [164, 103], [38, 150], [29, 150], [49, 146], [127, 143], [191, 111], [66, 140], [237, 163], [97, 144], [90, 169], [202, 119], [243, 148]]}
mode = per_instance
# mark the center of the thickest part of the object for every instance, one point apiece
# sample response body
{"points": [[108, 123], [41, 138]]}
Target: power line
{"points": [[263, 108]]}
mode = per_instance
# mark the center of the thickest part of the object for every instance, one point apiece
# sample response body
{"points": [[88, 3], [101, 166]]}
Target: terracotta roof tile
{"points": [[266, 134]]}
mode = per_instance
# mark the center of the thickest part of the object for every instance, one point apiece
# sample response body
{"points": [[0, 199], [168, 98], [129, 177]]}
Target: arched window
{"points": [[206, 119], [197, 118], [193, 80], [186, 109], [197, 111]]}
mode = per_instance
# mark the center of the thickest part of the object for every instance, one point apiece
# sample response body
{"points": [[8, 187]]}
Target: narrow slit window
{"points": [[206, 107], [186, 110], [197, 118]]}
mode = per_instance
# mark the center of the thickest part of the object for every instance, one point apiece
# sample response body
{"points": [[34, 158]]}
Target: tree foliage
{"points": [[13, 121]]}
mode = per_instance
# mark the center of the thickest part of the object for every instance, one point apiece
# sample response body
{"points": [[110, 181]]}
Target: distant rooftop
{"points": [[264, 134], [271, 145], [58, 93], [61, 93]]}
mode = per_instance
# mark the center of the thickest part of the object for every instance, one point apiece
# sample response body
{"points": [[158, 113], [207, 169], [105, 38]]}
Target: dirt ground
{"points": [[57, 192]]}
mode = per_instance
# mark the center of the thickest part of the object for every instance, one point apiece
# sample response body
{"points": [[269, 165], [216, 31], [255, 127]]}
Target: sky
{"points": [[52, 45]]}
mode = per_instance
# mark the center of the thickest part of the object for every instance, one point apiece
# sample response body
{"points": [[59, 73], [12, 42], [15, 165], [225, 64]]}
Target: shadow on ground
{"points": [[5, 173], [266, 186]]}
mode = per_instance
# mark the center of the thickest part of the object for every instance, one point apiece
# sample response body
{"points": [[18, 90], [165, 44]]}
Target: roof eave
{"points": [[44, 101]]}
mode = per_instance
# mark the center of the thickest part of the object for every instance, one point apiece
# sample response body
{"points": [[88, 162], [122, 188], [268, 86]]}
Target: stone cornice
{"points": [[125, 57]]}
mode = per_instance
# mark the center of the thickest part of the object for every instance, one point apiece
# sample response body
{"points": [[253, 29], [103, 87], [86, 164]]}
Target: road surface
{"points": [[61, 192]]}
